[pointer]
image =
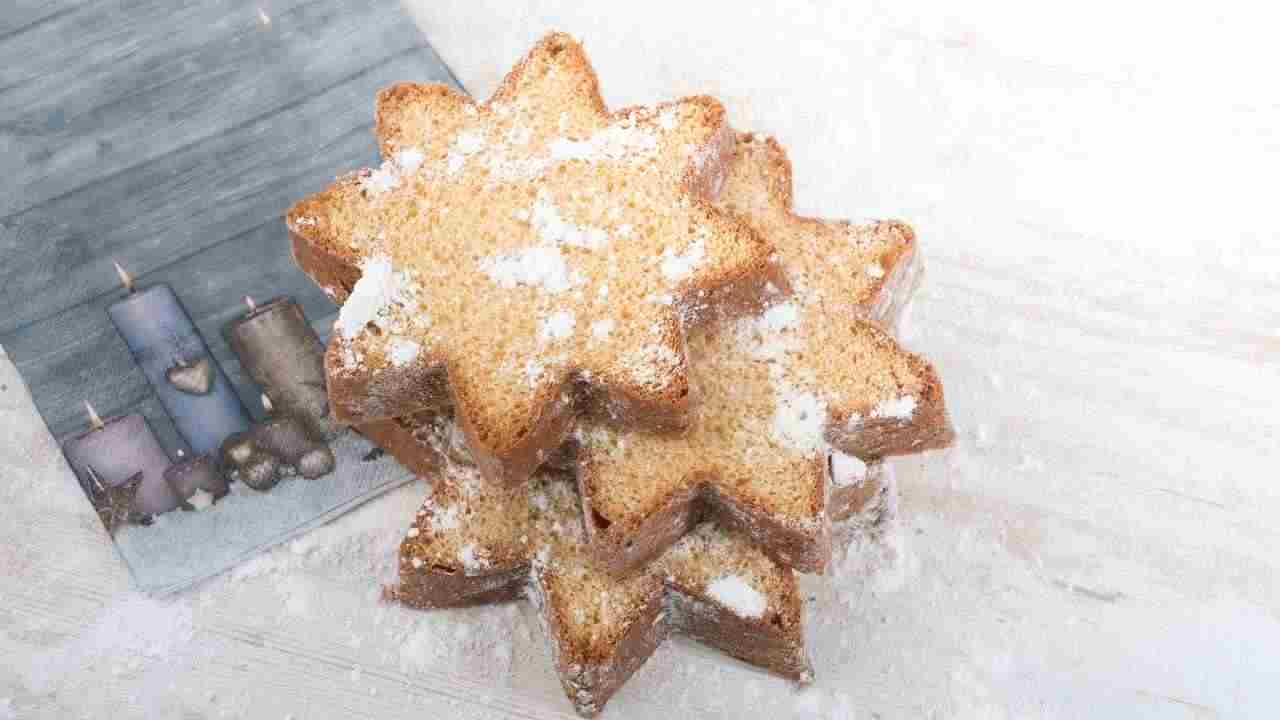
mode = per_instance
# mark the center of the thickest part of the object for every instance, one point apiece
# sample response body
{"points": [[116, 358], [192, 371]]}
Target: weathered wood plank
{"points": [[22, 16], [91, 93], [77, 354], [60, 253]]}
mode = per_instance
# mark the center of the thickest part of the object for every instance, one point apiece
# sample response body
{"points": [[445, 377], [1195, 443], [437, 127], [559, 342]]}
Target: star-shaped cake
{"points": [[522, 257], [787, 403], [476, 542]]}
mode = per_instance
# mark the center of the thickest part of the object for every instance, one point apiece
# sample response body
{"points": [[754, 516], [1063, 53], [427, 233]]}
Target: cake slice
{"points": [[526, 256], [786, 401], [475, 542]]}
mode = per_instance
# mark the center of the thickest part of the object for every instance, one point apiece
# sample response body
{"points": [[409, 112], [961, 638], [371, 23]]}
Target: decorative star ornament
{"points": [[791, 402], [526, 256], [114, 503]]}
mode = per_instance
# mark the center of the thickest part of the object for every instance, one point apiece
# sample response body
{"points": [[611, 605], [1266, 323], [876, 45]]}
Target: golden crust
{"points": [[810, 373], [475, 542], [519, 333]]}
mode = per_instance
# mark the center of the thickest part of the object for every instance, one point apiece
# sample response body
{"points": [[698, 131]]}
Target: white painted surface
{"points": [[1095, 189]]}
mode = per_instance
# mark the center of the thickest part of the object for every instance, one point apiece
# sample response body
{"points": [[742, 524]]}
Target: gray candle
{"points": [[285, 357], [115, 450], [166, 345]]}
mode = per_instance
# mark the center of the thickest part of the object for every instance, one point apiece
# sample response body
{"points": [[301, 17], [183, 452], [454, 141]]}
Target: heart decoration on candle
{"points": [[192, 378], [114, 503], [168, 348]]}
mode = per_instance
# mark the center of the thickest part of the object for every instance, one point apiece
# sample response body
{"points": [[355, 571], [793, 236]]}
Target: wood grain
{"points": [[263, 115]]}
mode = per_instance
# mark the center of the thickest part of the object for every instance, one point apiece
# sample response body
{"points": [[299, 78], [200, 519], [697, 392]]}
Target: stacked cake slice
{"points": [[642, 390]]}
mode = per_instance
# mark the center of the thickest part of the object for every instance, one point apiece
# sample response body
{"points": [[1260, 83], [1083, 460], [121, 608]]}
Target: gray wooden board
{"points": [[171, 136], [20, 16]]}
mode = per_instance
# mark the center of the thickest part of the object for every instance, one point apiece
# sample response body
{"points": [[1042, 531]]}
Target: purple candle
{"points": [[117, 449], [172, 354]]}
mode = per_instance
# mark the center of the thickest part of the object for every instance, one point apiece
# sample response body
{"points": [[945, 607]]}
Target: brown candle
{"points": [[285, 357], [118, 448]]}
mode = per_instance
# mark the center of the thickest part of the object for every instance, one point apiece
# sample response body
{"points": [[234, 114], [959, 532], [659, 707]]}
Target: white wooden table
{"points": [[1095, 192]]}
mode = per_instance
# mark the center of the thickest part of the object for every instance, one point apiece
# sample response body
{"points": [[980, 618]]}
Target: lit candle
{"points": [[116, 449], [283, 355], [191, 475], [166, 345]]}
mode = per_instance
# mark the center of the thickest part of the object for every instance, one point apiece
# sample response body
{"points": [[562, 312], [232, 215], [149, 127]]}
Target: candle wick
{"points": [[125, 278], [93, 475], [249, 301], [95, 422]]}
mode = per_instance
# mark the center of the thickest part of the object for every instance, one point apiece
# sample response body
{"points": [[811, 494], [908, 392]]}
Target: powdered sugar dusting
{"points": [[464, 145], [678, 267], [469, 558], [615, 142], [380, 180], [652, 365], [410, 159], [847, 470], [901, 408], [553, 228], [736, 594], [377, 288], [402, 351], [600, 329], [798, 418], [533, 370], [557, 326], [444, 518], [667, 118], [469, 142], [769, 335], [539, 266]]}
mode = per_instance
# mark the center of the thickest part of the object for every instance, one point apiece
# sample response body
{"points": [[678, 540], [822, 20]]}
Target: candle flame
{"points": [[263, 17], [95, 422], [249, 301], [125, 278], [266, 403]]}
